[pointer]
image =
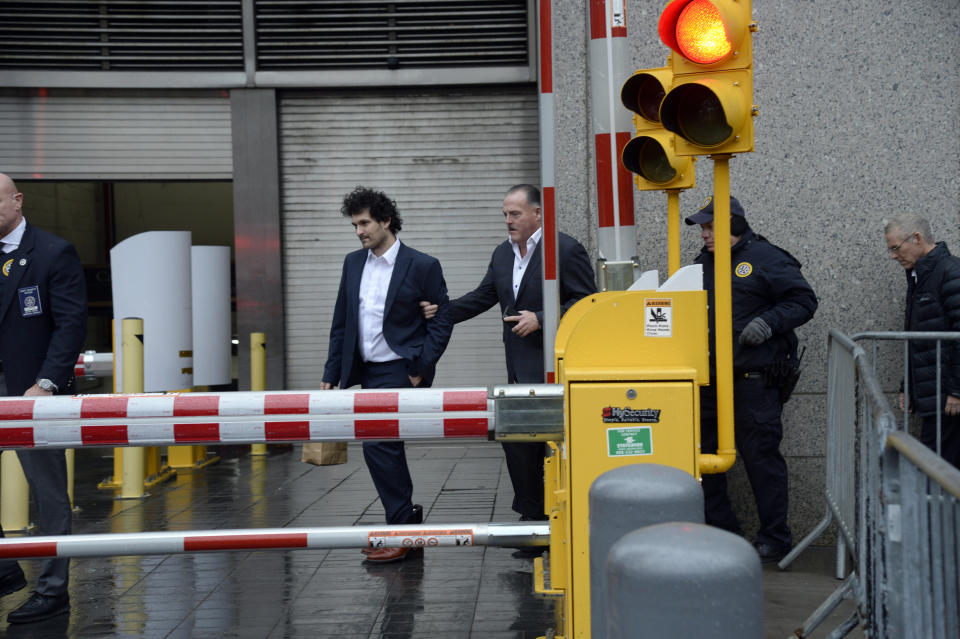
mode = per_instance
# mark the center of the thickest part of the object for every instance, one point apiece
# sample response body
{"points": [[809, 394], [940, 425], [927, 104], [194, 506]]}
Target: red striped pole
{"points": [[244, 417], [551, 292], [166, 543], [612, 129]]}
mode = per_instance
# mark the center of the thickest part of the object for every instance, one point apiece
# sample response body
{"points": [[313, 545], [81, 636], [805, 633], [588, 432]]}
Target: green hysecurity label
{"points": [[629, 441]]}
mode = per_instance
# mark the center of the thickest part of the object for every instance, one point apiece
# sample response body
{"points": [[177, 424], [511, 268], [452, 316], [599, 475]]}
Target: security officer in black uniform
{"points": [[43, 324], [770, 298]]}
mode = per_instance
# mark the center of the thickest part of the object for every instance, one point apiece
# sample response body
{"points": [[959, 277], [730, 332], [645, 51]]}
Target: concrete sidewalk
{"points": [[441, 593]]}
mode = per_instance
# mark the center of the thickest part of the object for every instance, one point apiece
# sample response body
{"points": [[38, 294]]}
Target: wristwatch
{"points": [[47, 385]]}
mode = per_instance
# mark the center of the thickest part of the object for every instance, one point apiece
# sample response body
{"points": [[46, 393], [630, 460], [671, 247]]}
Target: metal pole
{"points": [[131, 485], [548, 242], [608, 58], [673, 230], [164, 543], [723, 320], [258, 375]]}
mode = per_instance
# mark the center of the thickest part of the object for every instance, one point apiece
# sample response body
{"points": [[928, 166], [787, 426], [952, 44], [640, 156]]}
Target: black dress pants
{"points": [[757, 433]]}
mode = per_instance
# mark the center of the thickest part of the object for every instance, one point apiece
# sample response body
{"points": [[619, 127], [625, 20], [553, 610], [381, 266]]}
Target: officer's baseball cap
{"points": [[705, 214]]}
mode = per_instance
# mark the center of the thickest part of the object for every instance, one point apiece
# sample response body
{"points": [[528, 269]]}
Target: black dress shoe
{"points": [[39, 607], [12, 582], [529, 552], [417, 514], [769, 553], [534, 518]]}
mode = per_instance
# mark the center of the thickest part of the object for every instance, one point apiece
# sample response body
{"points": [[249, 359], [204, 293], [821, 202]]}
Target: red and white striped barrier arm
{"points": [[165, 543], [244, 417], [93, 364]]}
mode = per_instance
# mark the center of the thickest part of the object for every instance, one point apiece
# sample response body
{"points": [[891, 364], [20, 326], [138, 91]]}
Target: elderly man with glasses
{"points": [[933, 304]]}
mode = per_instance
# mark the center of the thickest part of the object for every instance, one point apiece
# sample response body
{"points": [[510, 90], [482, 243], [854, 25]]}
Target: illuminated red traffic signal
{"points": [[710, 103]]}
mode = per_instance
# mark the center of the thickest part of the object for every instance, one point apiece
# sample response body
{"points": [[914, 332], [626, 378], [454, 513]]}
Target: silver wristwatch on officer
{"points": [[47, 385]]}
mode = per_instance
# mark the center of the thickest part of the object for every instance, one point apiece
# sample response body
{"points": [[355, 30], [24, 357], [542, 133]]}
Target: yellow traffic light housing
{"points": [[710, 103], [711, 113], [652, 154]]}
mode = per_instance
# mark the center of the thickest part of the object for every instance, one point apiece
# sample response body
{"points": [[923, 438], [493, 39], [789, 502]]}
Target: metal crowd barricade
{"points": [[921, 558], [876, 337], [896, 503], [841, 455]]}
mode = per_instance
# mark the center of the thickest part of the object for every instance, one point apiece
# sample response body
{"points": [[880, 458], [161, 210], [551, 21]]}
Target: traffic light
{"points": [[710, 103], [652, 155]]}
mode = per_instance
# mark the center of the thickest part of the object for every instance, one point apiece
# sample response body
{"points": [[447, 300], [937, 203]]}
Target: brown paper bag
{"points": [[324, 453]]}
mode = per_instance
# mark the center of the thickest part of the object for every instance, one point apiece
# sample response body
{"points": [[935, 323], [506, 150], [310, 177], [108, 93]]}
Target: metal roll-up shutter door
{"points": [[87, 135], [446, 157]]}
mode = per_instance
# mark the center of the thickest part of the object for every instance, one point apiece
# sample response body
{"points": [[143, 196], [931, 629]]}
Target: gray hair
{"points": [[908, 225]]}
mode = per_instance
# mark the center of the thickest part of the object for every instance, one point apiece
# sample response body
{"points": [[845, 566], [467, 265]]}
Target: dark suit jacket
{"points": [[45, 340], [416, 276], [525, 354]]}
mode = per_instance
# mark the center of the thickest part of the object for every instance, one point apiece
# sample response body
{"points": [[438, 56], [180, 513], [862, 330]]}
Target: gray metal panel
{"points": [[446, 156], [91, 135], [256, 210], [294, 35]]}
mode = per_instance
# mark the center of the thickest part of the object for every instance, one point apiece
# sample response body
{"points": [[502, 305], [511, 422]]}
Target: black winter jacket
{"points": [[766, 282], [933, 304]]}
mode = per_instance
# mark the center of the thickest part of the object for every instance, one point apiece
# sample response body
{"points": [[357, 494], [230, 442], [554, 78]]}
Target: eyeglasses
{"points": [[893, 250]]}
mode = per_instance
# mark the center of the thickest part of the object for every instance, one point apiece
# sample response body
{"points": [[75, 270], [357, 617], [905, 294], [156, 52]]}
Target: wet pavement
{"points": [[439, 593]]}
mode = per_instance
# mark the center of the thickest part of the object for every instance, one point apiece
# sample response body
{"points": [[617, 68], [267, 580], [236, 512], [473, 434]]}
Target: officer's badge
{"points": [[6, 267], [706, 202], [743, 269]]}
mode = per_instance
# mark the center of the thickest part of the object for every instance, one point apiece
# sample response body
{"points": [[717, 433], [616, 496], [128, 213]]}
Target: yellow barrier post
{"points": [[723, 320], [258, 375], [15, 502], [132, 478], [70, 455], [629, 401], [673, 230]]}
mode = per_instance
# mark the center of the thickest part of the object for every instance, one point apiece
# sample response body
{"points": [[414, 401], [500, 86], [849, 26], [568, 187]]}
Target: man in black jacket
{"points": [[770, 299], [513, 281], [933, 304], [43, 323]]}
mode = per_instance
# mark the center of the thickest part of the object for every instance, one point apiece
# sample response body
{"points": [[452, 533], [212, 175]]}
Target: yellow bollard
{"points": [[131, 484], [15, 502], [70, 454], [258, 375]]}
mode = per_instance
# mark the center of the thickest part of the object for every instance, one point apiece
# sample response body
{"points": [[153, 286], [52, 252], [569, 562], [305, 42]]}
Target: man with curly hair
{"points": [[379, 338]]}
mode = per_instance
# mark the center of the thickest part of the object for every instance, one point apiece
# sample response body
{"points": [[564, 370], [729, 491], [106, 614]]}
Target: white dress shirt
{"points": [[12, 241], [520, 263], [374, 283]]}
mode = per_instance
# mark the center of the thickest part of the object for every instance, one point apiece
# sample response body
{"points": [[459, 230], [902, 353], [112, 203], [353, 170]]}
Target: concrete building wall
{"points": [[858, 122]]}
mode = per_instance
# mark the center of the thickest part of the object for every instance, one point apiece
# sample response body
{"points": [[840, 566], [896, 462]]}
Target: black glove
{"points": [[756, 332]]}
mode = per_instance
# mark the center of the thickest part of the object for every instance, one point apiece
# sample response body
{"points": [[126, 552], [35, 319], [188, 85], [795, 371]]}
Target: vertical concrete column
{"points": [[256, 226], [625, 499], [683, 580]]}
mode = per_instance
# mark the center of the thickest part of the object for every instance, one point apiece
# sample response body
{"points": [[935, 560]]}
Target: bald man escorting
{"points": [[43, 324]]}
